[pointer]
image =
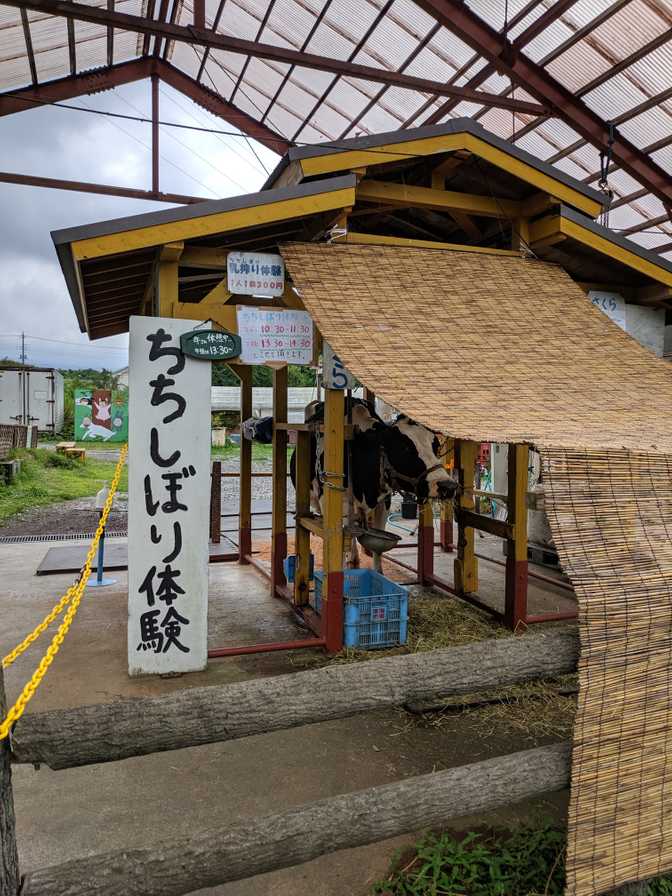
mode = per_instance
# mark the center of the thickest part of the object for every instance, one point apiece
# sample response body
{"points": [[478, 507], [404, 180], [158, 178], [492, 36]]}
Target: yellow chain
{"points": [[73, 596]]}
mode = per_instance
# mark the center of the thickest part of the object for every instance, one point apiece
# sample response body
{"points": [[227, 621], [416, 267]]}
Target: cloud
{"points": [[73, 145]]}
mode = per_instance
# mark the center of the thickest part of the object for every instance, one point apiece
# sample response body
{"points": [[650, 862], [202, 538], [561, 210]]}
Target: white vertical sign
{"points": [[336, 375], [610, 303], [169, 499]]}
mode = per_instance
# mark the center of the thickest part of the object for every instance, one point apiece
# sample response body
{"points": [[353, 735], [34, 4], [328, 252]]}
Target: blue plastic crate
{"points": [[376, 609], [289, 565]]}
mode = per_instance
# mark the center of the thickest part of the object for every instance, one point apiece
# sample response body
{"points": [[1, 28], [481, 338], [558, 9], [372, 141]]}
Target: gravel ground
{"points": [[71, 517]]}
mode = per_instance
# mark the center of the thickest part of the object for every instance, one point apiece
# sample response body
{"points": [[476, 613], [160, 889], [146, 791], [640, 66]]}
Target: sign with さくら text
{"points": [[255, 274], [169, 499], [275, 335]]}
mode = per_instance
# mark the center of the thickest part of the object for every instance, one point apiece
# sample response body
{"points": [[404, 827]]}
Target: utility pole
{"points": [[23, 348]]}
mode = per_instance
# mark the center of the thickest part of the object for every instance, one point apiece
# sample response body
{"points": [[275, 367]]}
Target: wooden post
{"points": [[279, 523], [216, 502], [370, 396], [466, 564], [446, 521], [301, 535], [9, 858], [425, 542], [244, 374], [167, 283], [515, 610], [334, 453]]}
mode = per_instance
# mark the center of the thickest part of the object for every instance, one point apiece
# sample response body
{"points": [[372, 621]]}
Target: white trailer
{"points": [[32, 397]]}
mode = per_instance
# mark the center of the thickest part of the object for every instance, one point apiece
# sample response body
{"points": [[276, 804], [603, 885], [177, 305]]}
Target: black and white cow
{"points": [[366, 478], [382, 458], [414, 461]]}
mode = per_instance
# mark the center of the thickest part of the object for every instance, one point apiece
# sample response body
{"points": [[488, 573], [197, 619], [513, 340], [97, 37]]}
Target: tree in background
{"points": [[222, 375]]}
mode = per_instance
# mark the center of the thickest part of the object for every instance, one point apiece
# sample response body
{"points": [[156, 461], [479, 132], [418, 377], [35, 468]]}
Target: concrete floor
{"points": [[67, 814]]}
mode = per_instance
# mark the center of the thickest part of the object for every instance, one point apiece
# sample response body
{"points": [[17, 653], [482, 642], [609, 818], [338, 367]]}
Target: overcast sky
{"points": [[55, 142]]}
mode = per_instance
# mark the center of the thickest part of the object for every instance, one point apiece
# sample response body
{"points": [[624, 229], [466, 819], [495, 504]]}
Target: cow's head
{"points": [[415, 457]]}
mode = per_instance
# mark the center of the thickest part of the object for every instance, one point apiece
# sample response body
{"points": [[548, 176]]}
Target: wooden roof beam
{"points": [[437, 199]]}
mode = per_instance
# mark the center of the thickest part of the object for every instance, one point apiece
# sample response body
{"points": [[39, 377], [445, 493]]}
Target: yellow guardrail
{"points": [[72, 596]]}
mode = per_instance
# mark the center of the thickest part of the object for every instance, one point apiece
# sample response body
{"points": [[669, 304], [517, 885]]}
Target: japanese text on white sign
{"points": [[255, 274], [275, 334], [169, 496]]}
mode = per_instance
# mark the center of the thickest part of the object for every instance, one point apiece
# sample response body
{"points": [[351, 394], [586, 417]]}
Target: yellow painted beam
{"points": [[625, 256], [466, 563], [206, 225], [376, 239], [464, 221], [204, 257], [224, 315], [556, 228], [410, 149], [436, 199], [167, 281]]}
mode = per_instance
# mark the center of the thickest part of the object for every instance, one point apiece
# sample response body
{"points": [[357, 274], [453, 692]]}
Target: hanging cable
{"points": [[603, 183]]}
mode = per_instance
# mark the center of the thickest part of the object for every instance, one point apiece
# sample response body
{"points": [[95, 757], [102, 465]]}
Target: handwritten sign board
{"points": [[336, 376], [210, 345], [255, 274], [169, 498], [275, 334], [610, 303]]}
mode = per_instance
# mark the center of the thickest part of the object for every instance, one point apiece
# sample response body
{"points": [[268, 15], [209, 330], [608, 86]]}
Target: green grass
{"points": [[47, 477], [526, 861], [259, 452]]}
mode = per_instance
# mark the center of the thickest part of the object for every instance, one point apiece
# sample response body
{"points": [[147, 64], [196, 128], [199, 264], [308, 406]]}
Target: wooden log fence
{"points": [[248, 848], [195, 716]]}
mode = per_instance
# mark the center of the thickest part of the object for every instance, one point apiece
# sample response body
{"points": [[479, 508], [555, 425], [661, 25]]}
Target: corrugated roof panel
{"points": [[125, 46], [301, 102], [647, 127], [623, 182], [452, 47], [311, 81], [264, 75], [429, 64], [630, 29], [332, 41], [415, 19], [222, 71], [493, 10], [92, 52], [186, 59], [243, 21], [378, 120], [569, 166], [393, 39], [578, 65], [288, 14], [663, 157], [615, 97]]}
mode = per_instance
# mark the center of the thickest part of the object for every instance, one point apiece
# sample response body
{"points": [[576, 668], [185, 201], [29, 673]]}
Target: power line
{"points": [[229, 146], [142, 142], [189, 148], [84, 345]]}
